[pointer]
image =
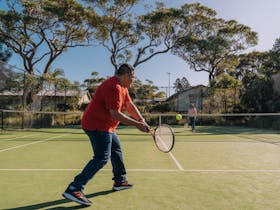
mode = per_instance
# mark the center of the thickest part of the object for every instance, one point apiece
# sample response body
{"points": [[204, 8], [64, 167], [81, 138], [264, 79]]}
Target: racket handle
{"points": [[152, 132]]}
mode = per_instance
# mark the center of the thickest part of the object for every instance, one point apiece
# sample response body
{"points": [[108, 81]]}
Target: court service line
{"points": [[36, 142], [76, 169], [233, 170], [149, 170]]}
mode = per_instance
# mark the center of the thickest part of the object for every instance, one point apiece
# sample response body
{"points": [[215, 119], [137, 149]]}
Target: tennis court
{"points": [[213, 168]]}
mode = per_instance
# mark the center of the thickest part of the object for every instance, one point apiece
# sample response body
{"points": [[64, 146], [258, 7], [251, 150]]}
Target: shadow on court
{"points": [[50, 205]]}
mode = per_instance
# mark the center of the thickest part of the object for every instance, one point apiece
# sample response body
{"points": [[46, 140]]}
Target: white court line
{"points": [[233, 170], [76, 169], [151, 170], [180, 167], [36, 142], [19, 137]]}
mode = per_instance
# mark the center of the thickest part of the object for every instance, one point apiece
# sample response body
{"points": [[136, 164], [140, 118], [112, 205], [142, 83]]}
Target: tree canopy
{"points": [[218, 41], [39, 31]]}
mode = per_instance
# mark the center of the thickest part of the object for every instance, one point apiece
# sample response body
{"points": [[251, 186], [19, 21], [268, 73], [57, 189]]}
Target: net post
{"points": [[2, 120], [22, 120]]}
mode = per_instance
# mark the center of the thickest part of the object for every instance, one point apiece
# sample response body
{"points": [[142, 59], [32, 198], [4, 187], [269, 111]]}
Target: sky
{"points": [[262, 16]]}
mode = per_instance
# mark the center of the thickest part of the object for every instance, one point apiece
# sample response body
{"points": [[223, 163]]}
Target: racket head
{"points": [[164, 138]]}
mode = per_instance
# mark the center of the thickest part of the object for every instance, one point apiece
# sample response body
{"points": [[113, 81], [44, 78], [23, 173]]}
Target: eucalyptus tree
{"points": [[273, 63], [144, 91], [5, 53], [127, 36], [257, 92], [92, 83], [218, 40], [226, 92], [181, 84], [137, 38], [276, 46], [257, 95], [274, 66], [55, 80], [256, 70], [250, 64], [5, 73], [39, 31]]}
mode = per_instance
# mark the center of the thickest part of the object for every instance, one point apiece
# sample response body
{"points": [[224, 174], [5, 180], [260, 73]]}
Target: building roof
{"points": [[50, 93], [186, 90]]}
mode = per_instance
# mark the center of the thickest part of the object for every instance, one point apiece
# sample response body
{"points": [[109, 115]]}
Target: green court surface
{"points": [[213, 168]]}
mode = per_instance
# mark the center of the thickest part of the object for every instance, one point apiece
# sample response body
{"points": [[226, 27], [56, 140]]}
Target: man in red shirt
{"points": [[99, 122]]}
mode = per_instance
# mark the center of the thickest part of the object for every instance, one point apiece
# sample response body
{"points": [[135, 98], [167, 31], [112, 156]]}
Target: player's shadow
{"points": [[50, 205]]}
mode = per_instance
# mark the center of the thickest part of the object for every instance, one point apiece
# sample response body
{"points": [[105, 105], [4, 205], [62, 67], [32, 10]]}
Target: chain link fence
{"points": [[22, 91]]}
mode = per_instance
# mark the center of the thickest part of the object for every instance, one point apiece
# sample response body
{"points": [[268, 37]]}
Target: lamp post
{"points": [[168, 83]]}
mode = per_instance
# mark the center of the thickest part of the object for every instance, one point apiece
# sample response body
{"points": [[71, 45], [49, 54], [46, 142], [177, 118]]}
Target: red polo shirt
{"points": [[109, 95]]}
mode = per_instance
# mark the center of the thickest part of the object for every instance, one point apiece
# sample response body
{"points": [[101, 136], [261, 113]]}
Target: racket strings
{"points": [[164, 138]]}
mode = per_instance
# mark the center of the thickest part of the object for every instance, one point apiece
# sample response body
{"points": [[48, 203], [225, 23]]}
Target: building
{"points": [[3, 77], [180, 101], [45, 99]]}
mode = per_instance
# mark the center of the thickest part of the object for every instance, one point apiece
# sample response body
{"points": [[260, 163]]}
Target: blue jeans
{"points": [[105, 145], [192, 122]]}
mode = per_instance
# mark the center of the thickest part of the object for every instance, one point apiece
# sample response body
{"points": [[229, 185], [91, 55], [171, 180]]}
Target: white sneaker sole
{"points": [[72, 198], [121, 188]]}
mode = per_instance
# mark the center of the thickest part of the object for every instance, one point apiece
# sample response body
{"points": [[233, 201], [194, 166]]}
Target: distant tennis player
{"points": [[99, 122], [192, 113]]}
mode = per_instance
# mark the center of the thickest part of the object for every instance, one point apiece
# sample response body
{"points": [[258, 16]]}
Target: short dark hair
{"points": [[124, 68]]}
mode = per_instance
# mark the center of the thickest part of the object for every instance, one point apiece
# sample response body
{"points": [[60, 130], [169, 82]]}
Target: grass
{"points": [[224, 168]]}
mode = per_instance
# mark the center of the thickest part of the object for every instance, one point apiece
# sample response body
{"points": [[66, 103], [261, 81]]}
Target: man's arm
{"points": [[195, 113], [133, 111], [116, 114]]}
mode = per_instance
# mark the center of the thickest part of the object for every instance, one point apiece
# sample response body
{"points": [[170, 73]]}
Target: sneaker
{"points": [[122, 186], [76, 196]]}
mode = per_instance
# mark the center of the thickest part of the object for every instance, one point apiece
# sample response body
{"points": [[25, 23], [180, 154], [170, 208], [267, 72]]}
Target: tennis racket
{"points": [[164, 138]]}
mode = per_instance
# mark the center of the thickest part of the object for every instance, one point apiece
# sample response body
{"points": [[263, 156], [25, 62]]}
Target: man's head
{"points": [[125, 73]]}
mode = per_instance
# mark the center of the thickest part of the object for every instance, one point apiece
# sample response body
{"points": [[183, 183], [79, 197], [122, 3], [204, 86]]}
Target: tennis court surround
{"points": [[217, 167]]}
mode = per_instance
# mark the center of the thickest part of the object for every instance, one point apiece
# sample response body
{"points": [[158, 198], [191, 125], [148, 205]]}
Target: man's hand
{"points": [[143, 126]]}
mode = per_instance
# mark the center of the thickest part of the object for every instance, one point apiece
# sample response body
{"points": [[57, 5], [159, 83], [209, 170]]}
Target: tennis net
{"points": [[252, 120], [40, 119]]}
